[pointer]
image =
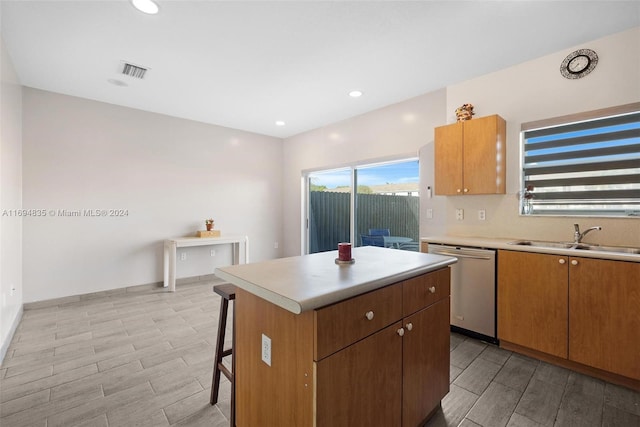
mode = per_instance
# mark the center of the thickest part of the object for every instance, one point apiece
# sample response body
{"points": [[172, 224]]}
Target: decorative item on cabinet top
{"points": [[464, 112]]}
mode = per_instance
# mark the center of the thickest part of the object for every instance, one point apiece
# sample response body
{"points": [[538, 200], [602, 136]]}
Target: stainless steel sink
{"points": [[577, 246], [543, 244], [618, 249]]}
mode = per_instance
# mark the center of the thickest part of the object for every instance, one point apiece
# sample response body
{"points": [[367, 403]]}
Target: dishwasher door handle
{"points": [[462, 255]]}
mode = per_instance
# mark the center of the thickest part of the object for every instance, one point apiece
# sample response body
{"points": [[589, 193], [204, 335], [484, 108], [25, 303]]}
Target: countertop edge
{"points": [[503, 243], [298, 307], [273, 297]]}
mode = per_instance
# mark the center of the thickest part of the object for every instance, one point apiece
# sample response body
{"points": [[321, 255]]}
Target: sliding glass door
{"points": [[329, 209], [385, 205]]}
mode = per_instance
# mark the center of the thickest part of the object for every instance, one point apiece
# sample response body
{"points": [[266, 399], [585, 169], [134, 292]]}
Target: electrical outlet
{"points": [[482, 215], [275, 245], [429, 213], [12, 290], [266, 349], [213, 252], [459, 214], [183, 256]]}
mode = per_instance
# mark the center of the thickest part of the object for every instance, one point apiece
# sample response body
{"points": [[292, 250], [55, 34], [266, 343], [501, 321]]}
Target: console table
{"points": [[171, 246]]}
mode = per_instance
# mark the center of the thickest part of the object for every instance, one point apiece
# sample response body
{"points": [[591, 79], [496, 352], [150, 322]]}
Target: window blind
{"points": [[589, 167]]}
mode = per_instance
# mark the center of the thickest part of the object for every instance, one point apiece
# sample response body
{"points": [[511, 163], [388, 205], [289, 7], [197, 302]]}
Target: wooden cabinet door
{"points": [[604, 315], [425, 355], [470, 157], [448, 159], [361, 385], [533, 301], [484, 159]]}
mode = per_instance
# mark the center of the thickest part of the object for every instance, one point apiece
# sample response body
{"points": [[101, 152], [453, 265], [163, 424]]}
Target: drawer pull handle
{"points": [[369, 315], [432, 289], [409, 326], [574, 262], [400, 332], [561, 261]]}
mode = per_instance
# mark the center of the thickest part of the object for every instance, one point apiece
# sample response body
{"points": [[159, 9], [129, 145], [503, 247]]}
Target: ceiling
{"points": [[246, 65]]}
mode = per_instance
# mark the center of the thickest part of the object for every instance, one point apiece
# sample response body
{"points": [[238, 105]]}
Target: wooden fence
{"points": [[329, 215]]}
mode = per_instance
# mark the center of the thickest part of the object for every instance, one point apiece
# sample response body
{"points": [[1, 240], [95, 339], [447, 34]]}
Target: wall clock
{"points": [[579, 63]]}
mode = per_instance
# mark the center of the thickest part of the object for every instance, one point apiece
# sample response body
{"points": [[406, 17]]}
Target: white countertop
{"points": [[503, 243], [308, 282]]}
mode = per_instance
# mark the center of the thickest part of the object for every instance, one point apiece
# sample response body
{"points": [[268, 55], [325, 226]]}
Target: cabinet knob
{"points": [[400, 332], [458, 191], [409, 326], [466, 190], [574, 262], [561, 261], [369, 315], [432, 289]]}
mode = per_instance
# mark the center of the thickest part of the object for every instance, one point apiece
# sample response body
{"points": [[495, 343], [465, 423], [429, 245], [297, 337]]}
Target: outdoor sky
{"points": [[391, 173]]}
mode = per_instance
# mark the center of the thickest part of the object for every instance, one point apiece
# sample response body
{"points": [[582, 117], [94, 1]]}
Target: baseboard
{"points": [[12, 331]]}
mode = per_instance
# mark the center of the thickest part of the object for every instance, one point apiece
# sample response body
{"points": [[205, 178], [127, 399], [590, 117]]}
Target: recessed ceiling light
{"points": [[280, 123], [146, 6], [355, 93]]}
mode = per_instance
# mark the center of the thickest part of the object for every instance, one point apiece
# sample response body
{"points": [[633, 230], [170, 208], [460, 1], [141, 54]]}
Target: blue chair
{"points": [[372, 240], [379, 232]]}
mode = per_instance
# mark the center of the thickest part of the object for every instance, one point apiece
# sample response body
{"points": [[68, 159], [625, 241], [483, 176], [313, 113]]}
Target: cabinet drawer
{"points": [[343, 323], [422, 291]]}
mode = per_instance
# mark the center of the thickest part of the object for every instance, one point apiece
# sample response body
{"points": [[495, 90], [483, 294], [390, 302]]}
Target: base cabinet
{"points": [[604, 315], [381, 358], [533, 301], [583, 310]]}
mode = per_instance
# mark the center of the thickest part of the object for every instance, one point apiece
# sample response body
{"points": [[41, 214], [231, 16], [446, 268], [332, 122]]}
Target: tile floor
{"points": [[143, 357]]}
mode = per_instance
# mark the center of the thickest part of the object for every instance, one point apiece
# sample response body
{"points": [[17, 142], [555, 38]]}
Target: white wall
{"points": [[10, 199], [532, 91], [169, 173], [396, 130]]}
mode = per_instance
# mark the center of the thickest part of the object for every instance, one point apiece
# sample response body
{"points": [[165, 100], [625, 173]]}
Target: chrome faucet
{"points": [[578, 236]]}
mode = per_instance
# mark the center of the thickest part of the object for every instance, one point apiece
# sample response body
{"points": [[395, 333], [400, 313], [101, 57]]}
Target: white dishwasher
{"points": [[473, 290]]}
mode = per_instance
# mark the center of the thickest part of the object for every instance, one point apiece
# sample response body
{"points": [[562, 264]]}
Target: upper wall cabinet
{"points": [[470, 157]]}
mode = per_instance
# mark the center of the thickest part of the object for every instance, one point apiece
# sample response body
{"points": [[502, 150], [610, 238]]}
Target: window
{"points": [[386, 197], [587, 164]]}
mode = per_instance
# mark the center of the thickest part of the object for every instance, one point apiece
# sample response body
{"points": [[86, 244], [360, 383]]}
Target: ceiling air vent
{"points": [[133, 71]]}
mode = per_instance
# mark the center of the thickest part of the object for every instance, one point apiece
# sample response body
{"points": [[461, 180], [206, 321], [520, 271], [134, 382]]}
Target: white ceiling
{"points": [[247, 64]]}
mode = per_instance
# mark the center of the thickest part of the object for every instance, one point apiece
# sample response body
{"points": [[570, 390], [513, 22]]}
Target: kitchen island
{"points": [[321, 344]]}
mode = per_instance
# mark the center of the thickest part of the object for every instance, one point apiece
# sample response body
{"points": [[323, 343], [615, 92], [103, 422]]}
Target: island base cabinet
{"points": [[279, 394], [362, 384], [377, 359], [425, 362], [387, 377]]}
